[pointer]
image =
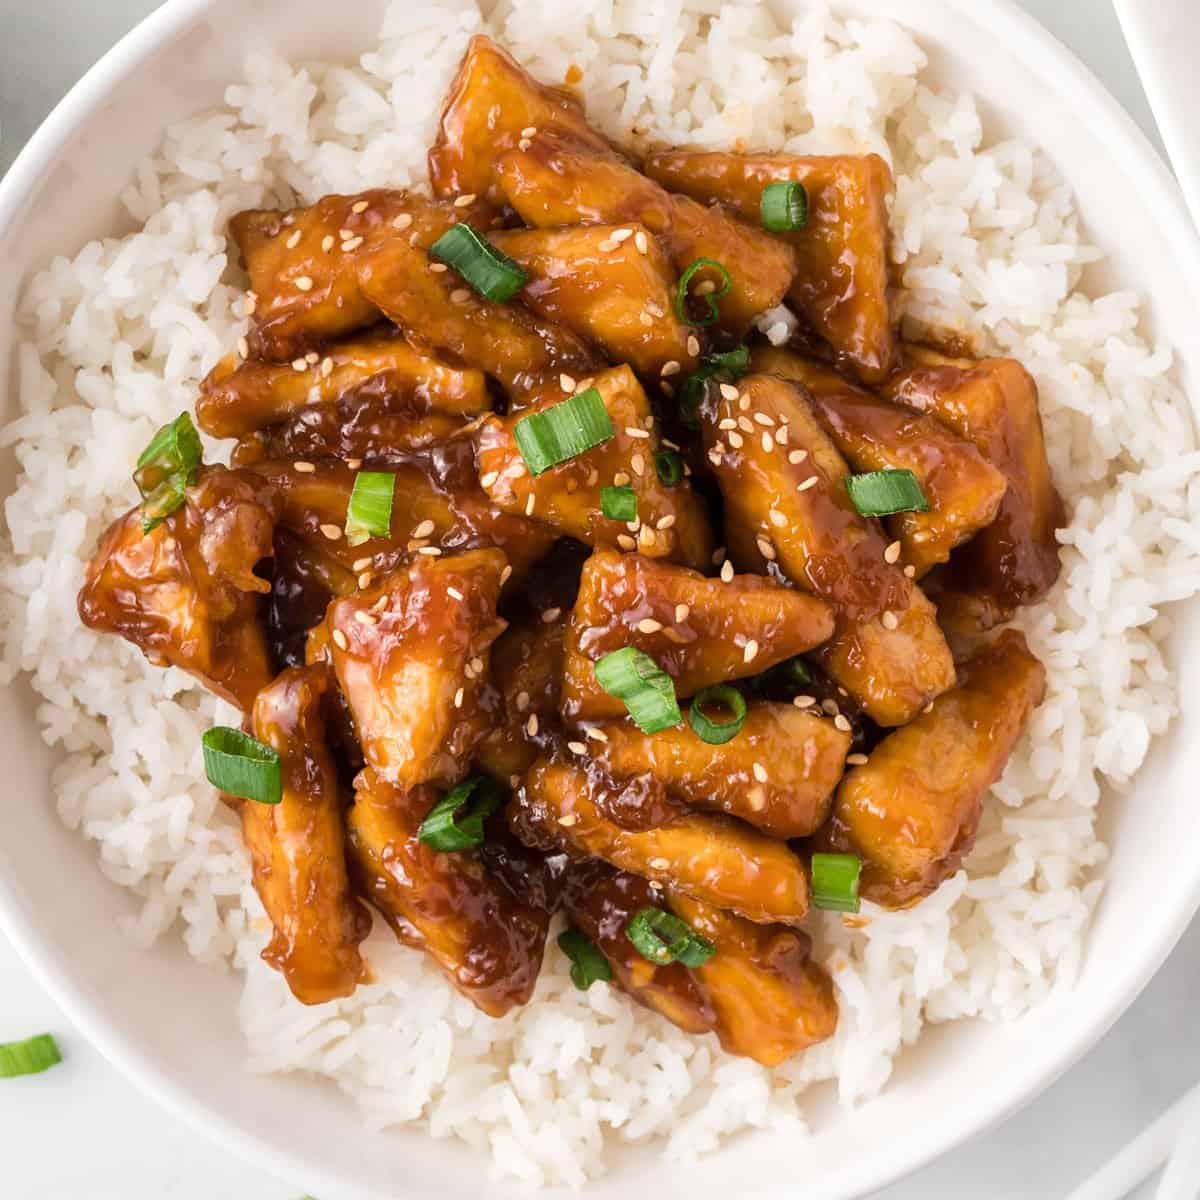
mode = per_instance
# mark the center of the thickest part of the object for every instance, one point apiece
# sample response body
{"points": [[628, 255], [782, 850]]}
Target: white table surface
{"points": [[81, 1132]]}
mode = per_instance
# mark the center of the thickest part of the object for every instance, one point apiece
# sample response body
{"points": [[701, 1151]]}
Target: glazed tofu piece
{"points": [[610, 284], [552, 180], [303, 264], [912, 810], [411, 654], [841, 283], [699, 631], [671, 520], [487, 941], [964, 490], [493, 104], [437, 505], [298, 849], [186, 593], [240, 396], [787, 508], [994, 404], [433, 304], [778, 774], [714, 858]]}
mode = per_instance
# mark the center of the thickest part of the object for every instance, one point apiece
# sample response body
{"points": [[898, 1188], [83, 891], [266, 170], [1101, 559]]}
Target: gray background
{"points": [[81, 1132]]}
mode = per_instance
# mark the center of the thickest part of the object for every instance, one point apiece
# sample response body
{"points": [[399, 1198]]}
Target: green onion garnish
{"points": [[588, 965], [710, 298], [445, 832], [648, 692], [29, 1057], [619, 503], [562, 431], [729, 366], [166, 468], [242, 766], [669, 466], [784, 207], [735, 362], [717, 733], [835, 882], [369, 513], [880, 493], [489, 272], [661, 937]]}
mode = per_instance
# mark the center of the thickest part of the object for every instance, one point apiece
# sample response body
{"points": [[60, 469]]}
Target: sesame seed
{"points": [[727, 572], [365, 618], [380, 604], [704, 288], [531, 726], [671, 368], [633, 526], [354, 463], [505, 575], [781, 435], [766, 549], [626, 542], [332, 532], [797, 456], [855, 760], [365, 580], [294, 240], [424, 529], [477, 665], [250, 304], [453, 591], [584, 384], [750, 653], [403, 221], [729, 391], [804, 701], [488, 479], [529, 131], [910, 572], [551, 615], [928, 708], [524, 144], [830, 706], [634, 432], [693, 345], [306, 468], [745, 424], [299, 364], [777, 518], [607, 246], [646, 319], [429, 551], [576, 748], [345, 234], [735, 439], [810, 482], [515, 471], [768, 442], [352, 244], [620, 479], [304, 283], [622, 235], [243, 348], [359, 564], [638, 463], [727, 423], [649, 625], [765, 419], [641, 242], [840, 722], [597, 735], [340, 641], [760, 772], [465, 201], [529, 503], [460, 295], [522, 701], [437, 268], [892, 553], [458, 698], [682, 611], [660, 864], [360, 206], [665, 522], [714, 457], [890, 620], [757, 799], [744, 403]]}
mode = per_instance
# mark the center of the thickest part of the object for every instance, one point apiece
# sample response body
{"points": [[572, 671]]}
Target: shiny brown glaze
{"points": [[964, 490], [303, 581], [486, 940], [778, 774], [706, 627], [186, 593], [672, 521], [994, 404], [913, 809], [841, 282], [887, 649], [556, 180], [711, 857], [297, 847]]}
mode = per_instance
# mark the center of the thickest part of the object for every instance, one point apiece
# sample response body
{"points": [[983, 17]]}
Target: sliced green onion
{"points": [[588, 964], [369, 513], [784, 207], [735, 363], [444, 831], [563, 431], [489, 272], [669, 466], [717, 733], [618, 503], [835, 882], [730, 366], [661, 937], [29, 1057], [242, 766], [166, 468], [647, 691], [880, 493], [710, 299]]}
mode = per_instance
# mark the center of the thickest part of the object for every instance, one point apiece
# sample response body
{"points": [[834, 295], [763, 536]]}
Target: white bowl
{"points": [[171, 1024]]}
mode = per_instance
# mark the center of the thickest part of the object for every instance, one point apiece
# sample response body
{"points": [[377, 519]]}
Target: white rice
{"points": [[118, 337]]}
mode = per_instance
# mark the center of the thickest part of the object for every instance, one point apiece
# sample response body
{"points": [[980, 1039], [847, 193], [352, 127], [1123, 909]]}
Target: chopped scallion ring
{"points": [[489, 272], [563, 431], [661, 937], [647, 691], [784, 207], [445, 831], [618, 503], [242, 766], [669, 466], [166, 468], [835, 882], [369, 513], [881, 493], [729, 366], [30, 1057], [588, 964], [717, 733], [735, 363], [710, 298]]}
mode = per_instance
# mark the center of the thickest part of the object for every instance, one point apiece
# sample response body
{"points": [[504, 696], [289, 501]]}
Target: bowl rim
{"points": [[1159, 193]]}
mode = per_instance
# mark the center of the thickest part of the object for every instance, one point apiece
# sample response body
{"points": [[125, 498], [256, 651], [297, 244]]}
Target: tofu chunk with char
{"points": [[298, 849]]}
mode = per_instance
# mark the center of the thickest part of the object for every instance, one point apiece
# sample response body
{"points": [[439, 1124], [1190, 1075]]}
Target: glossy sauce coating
{"points": [[842, 254], [303, 581], [786, 504], [964, 490], [297, 847], [672, 521], [186, 593], [713, 858], [913, 809], [706, 627], [486, 940]]}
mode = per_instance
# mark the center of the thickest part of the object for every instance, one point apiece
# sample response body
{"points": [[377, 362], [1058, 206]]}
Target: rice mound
{"points": [[987, 242]]}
